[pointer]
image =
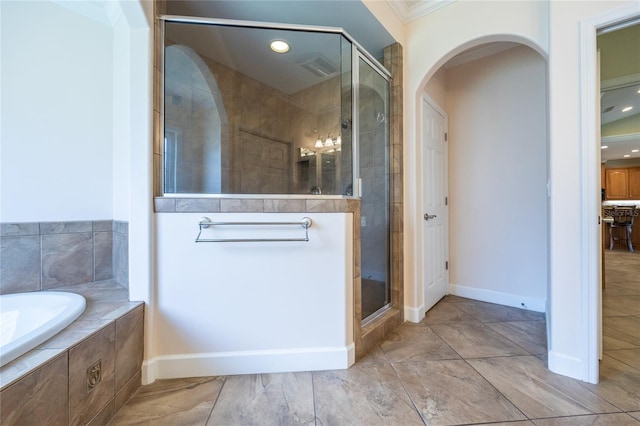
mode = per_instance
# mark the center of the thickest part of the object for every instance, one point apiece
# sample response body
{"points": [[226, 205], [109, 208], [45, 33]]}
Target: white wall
{"points": [[430, 42], [568, 311], [436, 88], [121, 119], [553, 29], [56, 114], [237, 308], [497, 178]]}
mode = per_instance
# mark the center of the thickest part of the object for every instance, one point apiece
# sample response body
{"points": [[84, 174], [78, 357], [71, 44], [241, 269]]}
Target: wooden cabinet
{"points": [[634, 183], [623, 183]]}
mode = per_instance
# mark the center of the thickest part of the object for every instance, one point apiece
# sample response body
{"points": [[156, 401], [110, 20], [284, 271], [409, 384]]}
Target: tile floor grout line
{"points": [[404, 387], [628, 365], [497, 390], [444, 341], [506, 337], [313, 397], [213, 406]]}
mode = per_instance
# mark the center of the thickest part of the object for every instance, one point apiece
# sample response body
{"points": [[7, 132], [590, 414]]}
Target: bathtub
{"points": [[29, 319]]}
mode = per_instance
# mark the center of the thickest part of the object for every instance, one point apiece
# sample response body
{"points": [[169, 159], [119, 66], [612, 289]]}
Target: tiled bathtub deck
{"points": [[110, 331]]}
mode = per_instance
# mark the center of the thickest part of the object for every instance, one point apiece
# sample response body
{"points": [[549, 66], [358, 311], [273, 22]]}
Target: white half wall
{"points": [[497, 110], [253, 307], [56, 135]]}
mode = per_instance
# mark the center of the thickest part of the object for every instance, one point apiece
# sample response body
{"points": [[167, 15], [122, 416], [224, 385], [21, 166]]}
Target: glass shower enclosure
{"points": [[374, 169], [242, 118]]}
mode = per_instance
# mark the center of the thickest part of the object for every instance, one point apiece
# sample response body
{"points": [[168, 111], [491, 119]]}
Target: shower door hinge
{"points": [[446, 201], [446, 136], [446, 265]]}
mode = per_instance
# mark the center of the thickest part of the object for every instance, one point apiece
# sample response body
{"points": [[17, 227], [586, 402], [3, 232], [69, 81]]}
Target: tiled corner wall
{"points": [[46, 255]]}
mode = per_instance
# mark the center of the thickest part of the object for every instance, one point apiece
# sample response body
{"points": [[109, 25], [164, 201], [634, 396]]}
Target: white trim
{"points": [[614, 83], [414, 315], [437, 107], [570, 366], [417, 10], [247, 362], [620, 138], [500, 298], [149, 371], [590, 175]]}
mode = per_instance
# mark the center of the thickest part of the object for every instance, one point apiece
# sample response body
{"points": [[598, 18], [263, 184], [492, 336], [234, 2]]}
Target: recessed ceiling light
{"points": [[279, 46], [604, 147], [625, 109], [635, 150], [627, 155], [638, 90]]}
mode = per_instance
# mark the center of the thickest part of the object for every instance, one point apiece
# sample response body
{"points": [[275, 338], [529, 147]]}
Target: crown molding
{"points": [[614, 83], [628, 137], [409, 11]]}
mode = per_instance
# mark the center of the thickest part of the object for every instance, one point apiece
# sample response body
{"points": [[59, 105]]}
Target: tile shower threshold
{"points": [[107, 301]]}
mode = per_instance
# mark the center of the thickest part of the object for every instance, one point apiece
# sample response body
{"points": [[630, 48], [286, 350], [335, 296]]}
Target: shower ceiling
{"points": [[248, 52]]}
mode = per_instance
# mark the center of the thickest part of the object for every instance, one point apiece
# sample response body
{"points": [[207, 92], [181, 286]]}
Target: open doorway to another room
{"points": [[619, 49]]}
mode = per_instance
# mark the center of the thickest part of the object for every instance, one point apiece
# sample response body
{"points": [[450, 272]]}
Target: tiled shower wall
{"points": [[38, 256]]}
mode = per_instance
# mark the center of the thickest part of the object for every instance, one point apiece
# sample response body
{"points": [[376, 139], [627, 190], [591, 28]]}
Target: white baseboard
{"points": [[414, 315], [566, 365], [531, 304], [247, 362]]}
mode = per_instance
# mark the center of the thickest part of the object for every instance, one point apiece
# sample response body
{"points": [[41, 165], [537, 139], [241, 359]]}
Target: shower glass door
{"points": [[374, 166]]}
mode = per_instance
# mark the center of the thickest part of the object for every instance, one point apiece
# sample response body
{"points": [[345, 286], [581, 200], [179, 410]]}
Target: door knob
{"points": [[428, 216]]}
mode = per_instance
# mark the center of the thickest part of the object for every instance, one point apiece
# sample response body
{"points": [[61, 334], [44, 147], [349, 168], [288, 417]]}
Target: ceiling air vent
{"points": [[608, 109], [320, 66]]}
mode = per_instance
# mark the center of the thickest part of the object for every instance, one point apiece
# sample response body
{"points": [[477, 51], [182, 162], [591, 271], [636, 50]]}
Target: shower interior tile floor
{"points": [[467, 362]]}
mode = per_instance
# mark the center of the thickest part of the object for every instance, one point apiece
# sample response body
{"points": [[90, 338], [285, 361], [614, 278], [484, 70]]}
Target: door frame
{"points": [[591, 249], [419, 208]]}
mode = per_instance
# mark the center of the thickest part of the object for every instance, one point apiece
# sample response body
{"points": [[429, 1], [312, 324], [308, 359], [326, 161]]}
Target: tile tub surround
{"points": [[54, 374], [45, 255]]}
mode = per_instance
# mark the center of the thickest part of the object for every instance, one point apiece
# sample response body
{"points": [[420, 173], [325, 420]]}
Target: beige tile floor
{"points": [[467, 362]]}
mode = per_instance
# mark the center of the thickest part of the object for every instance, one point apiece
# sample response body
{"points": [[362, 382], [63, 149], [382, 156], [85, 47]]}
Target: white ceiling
{"points": [[613, 101]]}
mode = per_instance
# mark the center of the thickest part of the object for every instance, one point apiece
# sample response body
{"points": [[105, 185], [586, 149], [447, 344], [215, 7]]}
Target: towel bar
{"points": [[205, 223]]}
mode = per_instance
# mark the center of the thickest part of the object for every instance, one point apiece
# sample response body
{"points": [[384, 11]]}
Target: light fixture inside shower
{"points": [[320, 143], [304, 152]]}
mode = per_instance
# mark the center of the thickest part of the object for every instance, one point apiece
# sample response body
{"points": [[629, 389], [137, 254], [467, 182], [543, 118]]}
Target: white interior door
{"points": [[435, 204]]}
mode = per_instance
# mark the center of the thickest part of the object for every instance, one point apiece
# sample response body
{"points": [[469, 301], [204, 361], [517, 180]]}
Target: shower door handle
{"points": [[428, 216]]}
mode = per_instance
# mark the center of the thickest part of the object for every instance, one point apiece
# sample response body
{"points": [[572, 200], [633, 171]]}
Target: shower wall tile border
{"points": [[255, 205], [46, 255], [19, 229], [47, 228]]}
